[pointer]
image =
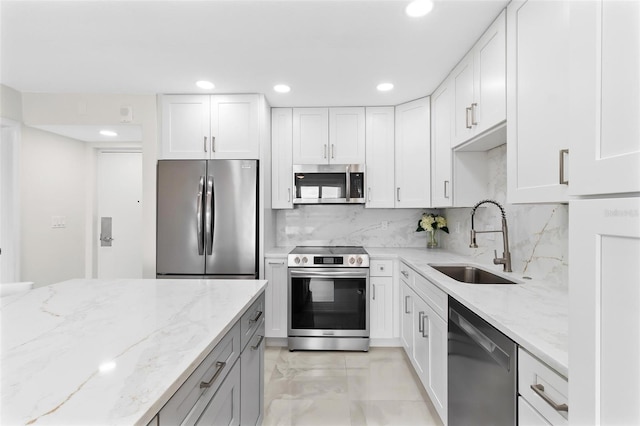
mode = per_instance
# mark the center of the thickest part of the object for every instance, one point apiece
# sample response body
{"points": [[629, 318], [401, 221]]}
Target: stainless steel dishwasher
{"points": [[482, 376]]}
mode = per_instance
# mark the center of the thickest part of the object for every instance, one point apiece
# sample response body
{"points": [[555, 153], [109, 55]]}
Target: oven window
{"points": [[328, 303]]}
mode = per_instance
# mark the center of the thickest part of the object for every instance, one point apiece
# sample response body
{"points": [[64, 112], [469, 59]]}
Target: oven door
{"points": [[328, 302]]}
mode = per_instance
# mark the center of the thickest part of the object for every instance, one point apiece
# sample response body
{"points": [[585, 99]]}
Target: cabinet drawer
{"points": [[191, 399], [528, 416], [552, 388], [435, 297], [251, 320], [381, 268], [407, 274]]}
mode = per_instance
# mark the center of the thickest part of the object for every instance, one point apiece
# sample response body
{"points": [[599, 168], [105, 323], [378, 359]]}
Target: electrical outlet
{"points": [[384, 225], [58, 221]]}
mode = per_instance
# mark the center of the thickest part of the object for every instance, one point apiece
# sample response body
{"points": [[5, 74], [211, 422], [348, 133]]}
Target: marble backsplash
{"points": [[538, 233]]}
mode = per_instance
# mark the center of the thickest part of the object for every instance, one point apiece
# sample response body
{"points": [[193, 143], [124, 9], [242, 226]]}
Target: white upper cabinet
{"points": [[281, 158], [441, 137], [413, 154], [210, 127], [538, 102], [185, 126], [380, 130], [605, 94], [480, 85], [310, 136], [328, 135], [347, 135]]}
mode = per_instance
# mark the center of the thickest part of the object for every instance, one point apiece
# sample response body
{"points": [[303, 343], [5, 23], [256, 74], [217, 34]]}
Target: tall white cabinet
{"points": [[441, 137], [380, 154], [281, 158], [413, 154]]}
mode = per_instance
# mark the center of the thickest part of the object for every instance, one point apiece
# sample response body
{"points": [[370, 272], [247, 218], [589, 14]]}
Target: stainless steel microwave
{"points": [[329, 184]]}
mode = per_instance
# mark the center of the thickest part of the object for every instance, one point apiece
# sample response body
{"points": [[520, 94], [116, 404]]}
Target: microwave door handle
{"points": [[348, 182], [208, 216], [199, 217]]}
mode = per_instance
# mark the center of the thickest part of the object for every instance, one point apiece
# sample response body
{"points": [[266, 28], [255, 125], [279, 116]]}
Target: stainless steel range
{"points": [[328, 306]]}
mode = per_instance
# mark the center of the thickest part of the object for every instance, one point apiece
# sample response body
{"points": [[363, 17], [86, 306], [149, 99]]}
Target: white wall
{"points": [[75, 109], [52, 183], [10, 103]]}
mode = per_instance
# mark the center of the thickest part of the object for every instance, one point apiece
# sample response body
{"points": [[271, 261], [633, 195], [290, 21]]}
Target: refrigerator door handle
{"points": [[208, 217], [199, 217]]}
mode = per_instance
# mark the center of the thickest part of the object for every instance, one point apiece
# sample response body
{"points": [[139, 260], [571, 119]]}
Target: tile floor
{"points": [[344, 388]]}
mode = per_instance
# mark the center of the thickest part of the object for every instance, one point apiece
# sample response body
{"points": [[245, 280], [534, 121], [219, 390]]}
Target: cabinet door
{"points": [[413, 154], [310, 136], [185, 127], [381, 303], [380, 157], [281, 158], [421, 339], [437, 378], [604, 319], [276, 297], [441, 138], [235, 127], [489, 67], [406, 321], [605, 92], [224, 408], [252, 380], [538, 100], [347, 135], [462, 78]]}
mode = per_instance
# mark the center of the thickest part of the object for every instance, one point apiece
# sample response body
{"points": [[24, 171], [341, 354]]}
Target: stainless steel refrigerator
{"points": [[207, 219]]}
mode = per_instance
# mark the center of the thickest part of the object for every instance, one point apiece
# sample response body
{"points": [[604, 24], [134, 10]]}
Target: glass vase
{"points": [[431, 241]]}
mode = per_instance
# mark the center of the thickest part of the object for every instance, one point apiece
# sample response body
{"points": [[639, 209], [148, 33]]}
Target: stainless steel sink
{"points": [[471, 274]]}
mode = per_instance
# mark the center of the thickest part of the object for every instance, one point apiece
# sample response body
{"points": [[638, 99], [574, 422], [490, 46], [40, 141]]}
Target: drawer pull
{"points": [[539, 389], [257, 346], [255, 319], [405, 274], [220, 366]]}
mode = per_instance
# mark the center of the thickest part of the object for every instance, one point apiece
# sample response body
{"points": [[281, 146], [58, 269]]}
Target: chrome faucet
{"points": [[505, 260]]}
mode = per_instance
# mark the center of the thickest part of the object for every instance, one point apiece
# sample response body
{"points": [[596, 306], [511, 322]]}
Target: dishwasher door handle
{"points": [[499, 356]]}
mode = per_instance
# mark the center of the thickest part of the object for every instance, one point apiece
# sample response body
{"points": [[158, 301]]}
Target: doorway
{"points": [[119, 214], [9, 218]]}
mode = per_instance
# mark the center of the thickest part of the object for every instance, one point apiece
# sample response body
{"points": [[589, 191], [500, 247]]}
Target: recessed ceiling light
{"points": [[108, 133], [203, 84], [418, 8], [384, 87], [282, 88]]}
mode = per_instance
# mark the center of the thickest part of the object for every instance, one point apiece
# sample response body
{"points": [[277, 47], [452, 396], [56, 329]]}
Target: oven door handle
{"points": [[327, 274]]}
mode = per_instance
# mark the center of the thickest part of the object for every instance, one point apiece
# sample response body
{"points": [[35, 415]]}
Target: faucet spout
{"points": [[505, 260]]}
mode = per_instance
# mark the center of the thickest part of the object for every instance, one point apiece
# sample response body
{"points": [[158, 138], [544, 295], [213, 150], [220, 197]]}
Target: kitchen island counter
{"points": [[110, 351], [533, 313]]}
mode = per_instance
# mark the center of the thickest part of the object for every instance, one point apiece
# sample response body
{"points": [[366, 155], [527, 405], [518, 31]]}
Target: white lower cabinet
{"points": [[228, 386], [543, 393], [381, 299], [424, 334], [275, 272]]}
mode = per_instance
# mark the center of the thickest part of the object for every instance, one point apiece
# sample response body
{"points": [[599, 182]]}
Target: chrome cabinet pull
{"points": [[425, 328], [466, 118], [398, 193], [256, 318], [324, 152], [373, 292], [288, 195], [275, 263], [406, 304], [257, 346], [446, 185], [220, 366], [213, 144], [333, 151], [473, 114], [369, 193], [563, 180], [421, 323], [405, 273], [539, 389], [205, 144]]}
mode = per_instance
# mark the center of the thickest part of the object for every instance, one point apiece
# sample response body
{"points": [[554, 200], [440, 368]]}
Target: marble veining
{"points": [[110, 351]]}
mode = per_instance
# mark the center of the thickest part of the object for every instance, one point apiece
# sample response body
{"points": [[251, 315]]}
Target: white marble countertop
{"points": [[534, 314], [85, 352]]}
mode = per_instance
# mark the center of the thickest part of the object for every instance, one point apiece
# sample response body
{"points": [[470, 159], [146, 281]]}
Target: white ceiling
{"points": [[331, 52]]}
